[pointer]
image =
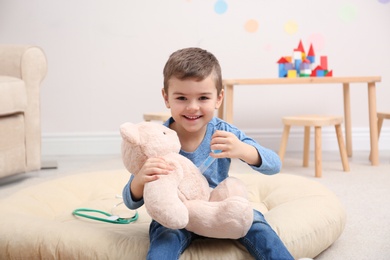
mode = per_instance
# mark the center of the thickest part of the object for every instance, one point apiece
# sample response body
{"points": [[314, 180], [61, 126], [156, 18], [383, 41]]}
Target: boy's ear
{"points": [[219, 99], [165, 97]]}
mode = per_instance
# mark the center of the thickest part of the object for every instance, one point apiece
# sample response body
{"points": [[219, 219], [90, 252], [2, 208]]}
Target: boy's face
{"points": [[192, 103]]}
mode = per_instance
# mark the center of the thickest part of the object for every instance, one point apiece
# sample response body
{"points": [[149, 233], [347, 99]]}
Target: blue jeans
{"points": [[261, 241]]}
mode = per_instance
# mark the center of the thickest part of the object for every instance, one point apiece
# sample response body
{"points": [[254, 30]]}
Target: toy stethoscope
{"points": [[110, 218]]}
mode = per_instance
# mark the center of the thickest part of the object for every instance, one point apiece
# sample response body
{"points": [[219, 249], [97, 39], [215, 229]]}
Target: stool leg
{"points": [[342, 148], [306, 147], [380, 123], [318, 152], [283, 144]]}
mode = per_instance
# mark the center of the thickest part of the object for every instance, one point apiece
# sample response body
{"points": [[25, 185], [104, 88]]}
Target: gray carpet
{"points": [[365, 192]]}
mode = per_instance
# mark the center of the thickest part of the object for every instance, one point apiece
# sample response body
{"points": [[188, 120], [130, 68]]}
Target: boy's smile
{"points": [[192, 117]]}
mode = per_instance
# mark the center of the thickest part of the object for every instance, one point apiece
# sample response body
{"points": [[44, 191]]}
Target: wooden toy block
{"points": [[312, 59], [297, 55], [311, 51], [297, 65], [303, 56], [282, 71], [289, 66], [306, 72], [282, 60], [320, 73], [292, 74], [305, 64], [300, 47], [324, 62]]}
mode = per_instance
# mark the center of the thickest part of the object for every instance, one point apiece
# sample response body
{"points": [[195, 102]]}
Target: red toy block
{"points": [[283, 60], [311, 51], [300, 47], [324, 62]]}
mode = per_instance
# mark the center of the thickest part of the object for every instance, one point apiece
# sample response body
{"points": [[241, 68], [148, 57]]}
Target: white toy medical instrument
{"points": [[209, 160]]}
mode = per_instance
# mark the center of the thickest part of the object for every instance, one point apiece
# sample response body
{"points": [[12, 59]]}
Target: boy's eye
{"points": [[181, 98], [203, 98]]}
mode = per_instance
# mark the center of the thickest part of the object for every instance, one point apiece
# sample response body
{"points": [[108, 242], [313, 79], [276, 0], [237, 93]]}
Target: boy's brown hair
{"points": [[192, 63]]}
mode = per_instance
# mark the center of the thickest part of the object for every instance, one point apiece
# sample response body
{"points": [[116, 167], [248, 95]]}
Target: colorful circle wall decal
{"points": [[348, 12], [384, 1], [251, 26], [317, 40], [220, 7], [291, 27]]}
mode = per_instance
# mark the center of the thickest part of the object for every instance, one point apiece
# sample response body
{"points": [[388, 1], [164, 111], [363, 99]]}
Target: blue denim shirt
{"points": [[219, 169]]}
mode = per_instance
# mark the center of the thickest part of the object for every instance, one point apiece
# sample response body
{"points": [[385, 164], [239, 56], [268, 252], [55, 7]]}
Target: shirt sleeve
{"points": [[270, 161], [127, 199]]}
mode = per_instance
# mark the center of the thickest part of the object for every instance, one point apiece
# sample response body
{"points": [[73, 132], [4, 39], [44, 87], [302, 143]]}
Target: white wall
{"points": [[105, 60]]}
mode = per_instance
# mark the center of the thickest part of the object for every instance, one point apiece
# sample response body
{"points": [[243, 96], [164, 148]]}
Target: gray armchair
{"points": [[22, 69]]}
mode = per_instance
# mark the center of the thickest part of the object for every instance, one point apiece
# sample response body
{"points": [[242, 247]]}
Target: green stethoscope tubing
{"points": [[114, 220]]}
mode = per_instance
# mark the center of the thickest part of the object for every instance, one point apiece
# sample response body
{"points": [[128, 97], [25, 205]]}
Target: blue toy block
{"points": [[312, 59], [320, 73], [297, 65], [282, 73], [282, 70]]}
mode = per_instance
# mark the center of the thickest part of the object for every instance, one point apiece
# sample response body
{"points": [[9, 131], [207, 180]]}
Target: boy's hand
{"points": [[232, 147], [150, 171]]}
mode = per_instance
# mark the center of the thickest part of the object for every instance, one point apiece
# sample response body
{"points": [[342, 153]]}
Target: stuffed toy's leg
{"points": [[163, 204], [229, 187], [231, 218], [228, 214]]}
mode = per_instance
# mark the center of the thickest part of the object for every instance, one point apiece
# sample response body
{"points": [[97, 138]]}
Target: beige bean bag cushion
{"points": [[37, 222]]}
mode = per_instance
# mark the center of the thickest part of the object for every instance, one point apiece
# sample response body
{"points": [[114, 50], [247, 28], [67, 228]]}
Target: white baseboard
{"points": [[81, 144], [110, 143], [360, 139]]}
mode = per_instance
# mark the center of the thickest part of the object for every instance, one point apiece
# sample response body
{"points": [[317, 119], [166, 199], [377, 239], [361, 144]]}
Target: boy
{"points": [[192, 91]]}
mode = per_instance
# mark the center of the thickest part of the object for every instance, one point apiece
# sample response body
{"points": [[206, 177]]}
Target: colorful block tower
{"points": [[302, 65]]}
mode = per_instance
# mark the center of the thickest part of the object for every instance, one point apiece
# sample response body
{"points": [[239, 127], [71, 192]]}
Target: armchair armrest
{"points": [[29, 64], [23, 61]]}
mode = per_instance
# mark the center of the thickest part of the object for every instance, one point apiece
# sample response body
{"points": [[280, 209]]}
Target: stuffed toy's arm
{"points": [[127, 199]]}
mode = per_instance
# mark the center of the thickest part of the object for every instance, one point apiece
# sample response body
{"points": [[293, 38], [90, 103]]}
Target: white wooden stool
{"points": [[316, 121], [159, 116]]}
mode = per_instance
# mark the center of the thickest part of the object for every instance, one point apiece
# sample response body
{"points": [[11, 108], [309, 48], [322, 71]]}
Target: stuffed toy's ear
{"points": [[130, 133]]}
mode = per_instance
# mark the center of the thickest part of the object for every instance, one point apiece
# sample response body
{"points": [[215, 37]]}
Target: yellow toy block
{"points": [[292, 74]]}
